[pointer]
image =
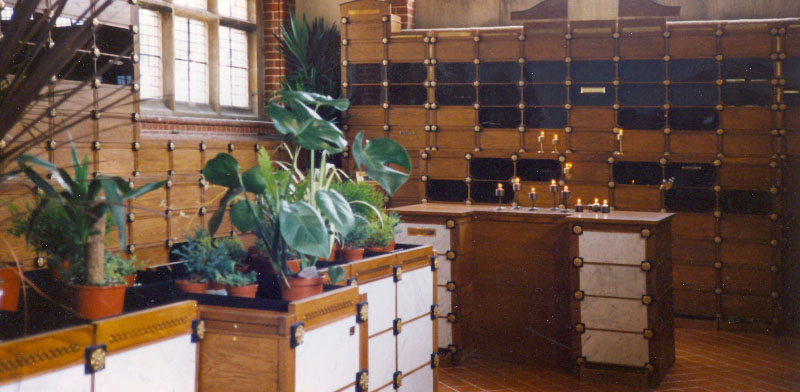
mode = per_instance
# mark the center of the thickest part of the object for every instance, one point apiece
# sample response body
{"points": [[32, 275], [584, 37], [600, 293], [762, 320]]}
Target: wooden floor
{"points": [[706, 361]]}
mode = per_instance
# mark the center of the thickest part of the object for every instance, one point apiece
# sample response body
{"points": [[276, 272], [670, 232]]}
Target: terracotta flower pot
{"points": [[294, 265], [300, 288], [248, 291], [188, 286], [9, 289], [385, 249], [214, 285], [130, 280], [352, 254], [94, 302], [332, 257]]}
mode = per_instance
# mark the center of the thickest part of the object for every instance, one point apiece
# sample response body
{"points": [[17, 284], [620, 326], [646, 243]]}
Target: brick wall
{"points": [[276, 12], [404, 8]]}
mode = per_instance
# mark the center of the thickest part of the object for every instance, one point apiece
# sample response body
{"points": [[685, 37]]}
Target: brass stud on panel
{"points": [[136, 173], [468, 179], [131, 217], [612, 184], [385, 40], [662, 161], [663, 210], [773, 190], [577, 262], [719, 57], [782, 56], [666, 82], [562, 159], [717, 239], [434, 106], [423, 156], [450, 224], [95, 83], [647, 300], [615, 59], [521, 128], [434, 128], [646, 233], [615, 106], [615, 83], [386, 105], [773, 243], [477, 106], [433, 61], [717, 188], [718, 265], [774, 295], [717, 290], [423, 178], [782, 132], [476, 38], [773, 268], [720, 131], [568, 106], [667, 58], [95, 115], [578, 295], [568, 59], [51, 144], [96, 145], [39, 262], [426, 61], [345, 42], [514, 157], [773, 56], [433, 40], [567, 36], [476, 61], [773, 217], [385, 62], [717, 214], [345, 63], [568, 82], [131, 248], [168, 184], [580, 328], [386, 84], [719, 107], [135, 117], [577, 229], [646, 266], [720, 155], [433, 83], [717, 162], [451, 286], [521, 83], [135, 87], [615, 35], [773, 164], [345, 84], [666, 106], [610, 160], [170, 146], [521, 60], [782, 31], [468, 156], [397, 378], [345, 20], [568, 130], [231, 147], [773, 31], [648, 333], [168, 213], [95, 358], [135, 58], [427, 105]]}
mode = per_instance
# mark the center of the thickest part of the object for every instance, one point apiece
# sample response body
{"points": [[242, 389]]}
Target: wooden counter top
{"points": [[459, 209]]}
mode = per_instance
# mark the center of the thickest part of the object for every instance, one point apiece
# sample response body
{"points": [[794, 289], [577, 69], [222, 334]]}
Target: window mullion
{"points": [[213, 65]]}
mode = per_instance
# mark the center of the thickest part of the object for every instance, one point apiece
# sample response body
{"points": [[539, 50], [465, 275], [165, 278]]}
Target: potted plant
{"points": [[240, 284], [9, 289], [85, 202], [292, 211], [381, 233], [116, 265], [195, 253], [354, 241]]}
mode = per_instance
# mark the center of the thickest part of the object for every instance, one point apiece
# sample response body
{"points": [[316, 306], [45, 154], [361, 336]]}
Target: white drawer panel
{"points": [[612, 313], [168, 365], [415, 344], [613, 280], [71, 379], [419, 381], [380, 296], [445, 301], [445, 332], [424, 234], [382, 364], [314, 369], [444, 274], [618, 248], [615, 348], [414, 293]]}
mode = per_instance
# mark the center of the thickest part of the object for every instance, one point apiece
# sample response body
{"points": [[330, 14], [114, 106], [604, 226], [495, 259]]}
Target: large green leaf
{"points": [[304, 230], [335, 208], [336, 273], [254, 181], [242, 216], [222, 170], [283, 120], [216, 218], [376, 155], [322, 135], [313, 99], [114, 201]]}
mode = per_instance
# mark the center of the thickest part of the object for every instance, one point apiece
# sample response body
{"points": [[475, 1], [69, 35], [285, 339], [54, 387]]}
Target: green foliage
{"points": [[237, 278], [361, 191], [206, 258], [382, 231], [312, 55], [116, 265], [375, 157], [357, 238]]}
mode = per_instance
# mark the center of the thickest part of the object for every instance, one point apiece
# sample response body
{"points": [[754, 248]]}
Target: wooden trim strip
{"points": [[43, 353], [320, 309], [146, 326]]}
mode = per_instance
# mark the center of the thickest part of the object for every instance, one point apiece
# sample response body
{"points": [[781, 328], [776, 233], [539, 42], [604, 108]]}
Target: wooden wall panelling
{"points": [[694, 251], [440, 167], [748, 281], [591, 141], [746, 306], [149, 231], [152, 203], [592, 117], [746, 39], [693, 146], [410, 193], [747, 143], [750, 118], [456, 116], [545, 41], [455, 46], [116, 128], [637, 197], [691, 277], [245, 154], [62, 156], [155, 254], [114, 99], [586, 192], [82, 128], [592, 40], [753, 227], [696, 40], [642, 39], [506, 140], [687, 224], [455, 138], [500, 45], [407, 116], [695, 303], [365, 52], [153, 157], [187, 159], [746, 176], [407, 47], [116, 160], [746, 253]]}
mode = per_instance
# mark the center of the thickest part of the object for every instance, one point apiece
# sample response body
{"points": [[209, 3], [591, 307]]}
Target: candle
{"points": [[516, 185], [605, 208], [565, 193], [541, 137], [596, 205], [578, 206], [568, 168], [619, 135], [553, 186], [499, 192], [532, 194], [555, 138]]}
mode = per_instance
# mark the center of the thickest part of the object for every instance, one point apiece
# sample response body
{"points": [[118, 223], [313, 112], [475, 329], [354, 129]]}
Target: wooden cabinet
{"points": [[621, 285]]}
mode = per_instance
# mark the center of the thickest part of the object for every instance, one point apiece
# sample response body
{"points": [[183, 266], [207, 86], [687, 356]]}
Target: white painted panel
{"points": [[415, 293], [613, 313], [168, 365], [445, 332], [445, 300], [328, 358], [613, 280], [440, 241], [382, 364], [617, 348], [419, 381], [70, 379], [618, 248], [415, 344], [380, 296], [444, 274]]}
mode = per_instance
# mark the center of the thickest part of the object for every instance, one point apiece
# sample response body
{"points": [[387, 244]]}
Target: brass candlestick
{"points": [[555, 144], [554, 191], [516, 187], [620, 137], [532, 196], [541, 143], [565, 194], [568, 171], [499, 192]]}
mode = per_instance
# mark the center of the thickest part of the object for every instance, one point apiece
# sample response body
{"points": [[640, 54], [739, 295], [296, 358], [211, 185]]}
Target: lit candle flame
{"points": [[533, 190], [553, 182], [542, 134], [569, 166], [605, 201], [566, 188], [555, 136], [516, 180], [579, 201], [620, 131], [596, 200], [499, 186]]}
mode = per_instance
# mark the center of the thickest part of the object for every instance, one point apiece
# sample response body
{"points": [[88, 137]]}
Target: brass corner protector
{"points": [[648, 333], [95, 357], [198, 330], [646, 232], [397, 326], [362, 381], [577, 262], [578, 295], [435, 360], [580, 327], [577, 229], [451, 286], [434, 311], [362, 312], [647, 300], [451, 255], [397, 379], [646, 266], [397, 272], [297, 331], [450, 223], [452, 318]]}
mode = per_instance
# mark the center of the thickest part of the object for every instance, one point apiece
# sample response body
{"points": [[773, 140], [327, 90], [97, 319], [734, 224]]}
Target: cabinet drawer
{"points": [[613, 313], [612, 280], [616, 248], [616, 348], [437, 236]]}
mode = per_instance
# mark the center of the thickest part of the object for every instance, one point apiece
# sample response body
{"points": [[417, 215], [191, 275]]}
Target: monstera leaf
{"points": [[303, 229], [376, 155], [222, 170], [336, 209]]}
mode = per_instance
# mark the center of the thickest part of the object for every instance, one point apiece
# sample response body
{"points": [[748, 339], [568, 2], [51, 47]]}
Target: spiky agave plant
{"points": [[30, 60]]}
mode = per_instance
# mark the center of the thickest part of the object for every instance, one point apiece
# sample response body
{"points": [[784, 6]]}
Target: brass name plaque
{"points": [[421, 232], [593, 90], [364, 12]]}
